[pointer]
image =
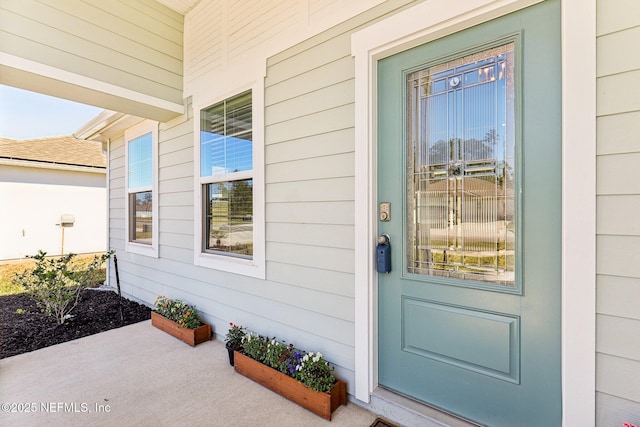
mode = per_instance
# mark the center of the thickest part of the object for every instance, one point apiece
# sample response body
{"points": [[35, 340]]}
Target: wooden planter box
{"points": [[190, 336], [322, 404]]}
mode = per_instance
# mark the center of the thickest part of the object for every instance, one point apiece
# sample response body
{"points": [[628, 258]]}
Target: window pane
{"points": [[226, 137], [140, 208], [140, 165], [460, 179], [229, 217]]}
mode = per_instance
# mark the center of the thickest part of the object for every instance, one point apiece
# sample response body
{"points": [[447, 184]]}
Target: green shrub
{"points": [[56, 283]]}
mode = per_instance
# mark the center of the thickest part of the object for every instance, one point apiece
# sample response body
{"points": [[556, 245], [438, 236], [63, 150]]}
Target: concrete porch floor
{"points": [[144, 377]]}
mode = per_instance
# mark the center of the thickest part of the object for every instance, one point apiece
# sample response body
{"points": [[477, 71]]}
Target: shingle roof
{"points": [[64, 150]]}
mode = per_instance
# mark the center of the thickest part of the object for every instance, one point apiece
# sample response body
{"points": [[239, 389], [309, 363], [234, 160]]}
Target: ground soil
{"points": [[24, 328]]}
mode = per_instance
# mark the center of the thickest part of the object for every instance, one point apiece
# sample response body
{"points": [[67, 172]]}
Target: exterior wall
{"points": [[31, 202], [618, 199], [56, 38], [308, 294], [225, 37]]}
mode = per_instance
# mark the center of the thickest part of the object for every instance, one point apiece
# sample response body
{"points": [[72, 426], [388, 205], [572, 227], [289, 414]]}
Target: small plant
{"points": [[315, 372], [277, 354], [311, 369], [56, 283], [21, 311], [178, 311], [234, 336], [255, 346]]}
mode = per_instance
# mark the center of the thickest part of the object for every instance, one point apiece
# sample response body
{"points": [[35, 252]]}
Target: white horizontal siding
{"points": [[330, 236], [618, 93], [616, 15], [177, 226], [330, 282], [322, 99], [311, 213], [225, 38], [251, 24], [616, 336], [334, 259], [176, 212], [170, 172], [613, 133], [328, 74], [618, 377], [116, 198], [618, 200], [176, 240], [176, 158], [614, 52], [617, 215], [614, 411], [307, 61], [182, 198], [308, 295], [326, 167], [619, 296], [336, 189], [176, 185], [337, 142], [618, 255], [616, 174]]}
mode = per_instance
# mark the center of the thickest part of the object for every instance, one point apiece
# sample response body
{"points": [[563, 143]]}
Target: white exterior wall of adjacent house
{"points": [[32, 201], [618, 191]]}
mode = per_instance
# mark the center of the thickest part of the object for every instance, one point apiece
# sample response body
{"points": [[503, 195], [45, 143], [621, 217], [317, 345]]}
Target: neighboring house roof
{"points": [[56, 150]]}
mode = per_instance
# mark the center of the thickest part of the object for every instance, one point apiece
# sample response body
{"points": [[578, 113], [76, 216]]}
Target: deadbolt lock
{"points": [[385, 212]]}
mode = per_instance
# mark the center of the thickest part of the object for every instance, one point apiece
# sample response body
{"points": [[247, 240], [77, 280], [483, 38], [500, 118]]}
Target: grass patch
{"points": [[8, 270]]}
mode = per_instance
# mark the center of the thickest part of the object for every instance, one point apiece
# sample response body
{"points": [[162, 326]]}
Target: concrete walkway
{"points": [[140, 376]]}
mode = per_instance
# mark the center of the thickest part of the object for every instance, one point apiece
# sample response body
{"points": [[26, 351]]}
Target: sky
{"points": [[25, 115]]}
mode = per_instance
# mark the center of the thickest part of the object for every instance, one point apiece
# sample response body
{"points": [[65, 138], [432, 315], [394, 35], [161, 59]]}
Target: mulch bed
{"points": [[97, 312]]}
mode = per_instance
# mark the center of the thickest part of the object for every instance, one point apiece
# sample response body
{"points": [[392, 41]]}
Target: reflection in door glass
{"points": [[460, 172]]}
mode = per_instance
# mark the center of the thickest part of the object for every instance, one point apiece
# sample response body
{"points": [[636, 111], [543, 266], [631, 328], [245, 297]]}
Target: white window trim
{"points": [[130, 134], [434, 19], [254, 267]]}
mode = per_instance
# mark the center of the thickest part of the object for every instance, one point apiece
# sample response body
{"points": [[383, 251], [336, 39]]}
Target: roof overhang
{"points": [[106, 125], [48, 165], [25, 74]]}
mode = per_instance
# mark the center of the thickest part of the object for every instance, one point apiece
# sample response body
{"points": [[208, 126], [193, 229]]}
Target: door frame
{"points": [[428, 21]]}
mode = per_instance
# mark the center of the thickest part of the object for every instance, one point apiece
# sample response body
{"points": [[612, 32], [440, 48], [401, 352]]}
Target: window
{"points": [[141, 206], [228, 167], [461, 214]]}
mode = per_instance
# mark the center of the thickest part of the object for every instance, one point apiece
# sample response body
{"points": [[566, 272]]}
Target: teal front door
{"points": [[469, 187]]}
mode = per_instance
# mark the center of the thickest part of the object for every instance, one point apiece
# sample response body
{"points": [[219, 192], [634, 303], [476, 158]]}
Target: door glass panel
{"points": [[460, 172]]}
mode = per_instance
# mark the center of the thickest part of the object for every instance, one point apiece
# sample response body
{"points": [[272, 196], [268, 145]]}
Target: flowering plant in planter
{"points": [[178, 311], [234, 336], [311, 369], [233, 340]]}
